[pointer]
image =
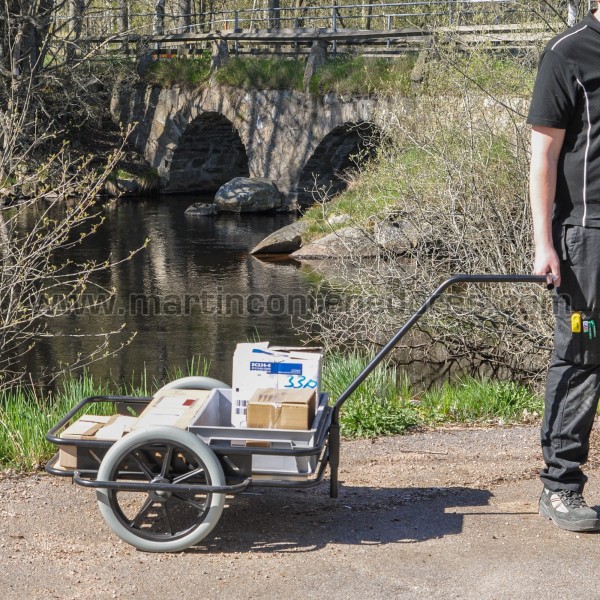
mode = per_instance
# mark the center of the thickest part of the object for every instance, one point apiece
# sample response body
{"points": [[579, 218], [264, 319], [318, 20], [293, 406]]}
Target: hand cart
{"points": [[162, 489]]}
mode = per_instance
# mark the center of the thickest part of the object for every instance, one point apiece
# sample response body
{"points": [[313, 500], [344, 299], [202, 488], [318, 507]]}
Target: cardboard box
{"points": [[260, 366], [173, 407], [281, 409], [85, 428], [116, 427]]}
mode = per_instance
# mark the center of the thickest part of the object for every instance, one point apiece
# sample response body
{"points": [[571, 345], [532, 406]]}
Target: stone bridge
{"points": [[200, 139]]}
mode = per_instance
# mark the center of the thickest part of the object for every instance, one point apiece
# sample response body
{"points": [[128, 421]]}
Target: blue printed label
{"points": [[276, 368], [267, 367], [287, 368]]}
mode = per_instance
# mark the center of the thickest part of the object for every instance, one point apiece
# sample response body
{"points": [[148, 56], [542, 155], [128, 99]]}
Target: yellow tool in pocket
{"points": [[576, 322]]}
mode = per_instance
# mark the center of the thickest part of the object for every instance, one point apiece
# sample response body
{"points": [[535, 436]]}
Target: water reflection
{"points": [[194, 291]]}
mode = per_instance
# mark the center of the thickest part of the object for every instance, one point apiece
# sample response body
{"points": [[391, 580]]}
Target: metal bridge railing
{"points": [[360, 16]]}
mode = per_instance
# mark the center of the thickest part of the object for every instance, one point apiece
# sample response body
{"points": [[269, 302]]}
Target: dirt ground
{"points": [[444, 514]]}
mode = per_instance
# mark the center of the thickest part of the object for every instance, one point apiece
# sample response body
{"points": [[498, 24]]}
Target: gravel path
{"points": [[445, 514]]}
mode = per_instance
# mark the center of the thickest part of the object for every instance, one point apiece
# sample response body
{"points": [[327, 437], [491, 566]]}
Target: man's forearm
{"points": [[546, 144], [542, 189]]}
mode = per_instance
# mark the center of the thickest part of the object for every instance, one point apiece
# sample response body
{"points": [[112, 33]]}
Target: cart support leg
{"points": [[334, 454]]}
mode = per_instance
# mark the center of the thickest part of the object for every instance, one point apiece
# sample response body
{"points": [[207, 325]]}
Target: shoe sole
{"points": [[577, 526]]}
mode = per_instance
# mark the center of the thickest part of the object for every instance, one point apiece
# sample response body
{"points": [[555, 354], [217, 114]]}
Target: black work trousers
{"points": [[573, 382]]}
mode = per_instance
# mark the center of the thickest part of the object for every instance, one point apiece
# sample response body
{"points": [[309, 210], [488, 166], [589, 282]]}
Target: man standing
{"points": [[565, 201]]}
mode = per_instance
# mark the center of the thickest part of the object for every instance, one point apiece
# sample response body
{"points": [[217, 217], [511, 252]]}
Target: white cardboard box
{"points": [[259, 365], [176, 407]]}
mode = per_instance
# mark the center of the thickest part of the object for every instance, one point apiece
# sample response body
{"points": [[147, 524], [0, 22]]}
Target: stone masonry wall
{"points": [[279, 130]]}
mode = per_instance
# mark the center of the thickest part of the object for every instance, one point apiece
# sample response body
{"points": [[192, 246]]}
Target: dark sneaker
{"points": [[568, 510]]}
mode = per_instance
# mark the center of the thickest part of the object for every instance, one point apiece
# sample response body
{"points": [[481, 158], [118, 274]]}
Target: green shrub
{"points": [[385, 404]]}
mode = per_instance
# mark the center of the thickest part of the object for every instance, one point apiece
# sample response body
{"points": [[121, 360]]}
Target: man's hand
{"points": [[547, 263]]}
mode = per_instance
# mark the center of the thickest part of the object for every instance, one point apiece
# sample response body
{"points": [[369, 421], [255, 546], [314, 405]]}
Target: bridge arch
{"points": [[210, 152], [343, 149]]}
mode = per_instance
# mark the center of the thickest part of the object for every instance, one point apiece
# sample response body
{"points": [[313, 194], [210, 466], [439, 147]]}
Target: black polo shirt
{"points": [[567, 96]]}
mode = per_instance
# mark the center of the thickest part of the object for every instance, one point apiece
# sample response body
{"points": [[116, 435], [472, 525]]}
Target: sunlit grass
{"points": [[26, 416]]}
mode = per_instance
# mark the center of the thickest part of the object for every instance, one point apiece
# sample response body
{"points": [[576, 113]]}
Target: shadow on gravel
{"points": [[308, 520]]}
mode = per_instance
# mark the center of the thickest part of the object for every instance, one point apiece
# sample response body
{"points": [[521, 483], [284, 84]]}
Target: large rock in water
{"points": [[283, 241], [201, 209], [345, 242], [248, 194]]}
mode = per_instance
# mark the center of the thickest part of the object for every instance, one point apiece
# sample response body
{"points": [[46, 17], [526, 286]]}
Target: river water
{"points": [[195, 291]]}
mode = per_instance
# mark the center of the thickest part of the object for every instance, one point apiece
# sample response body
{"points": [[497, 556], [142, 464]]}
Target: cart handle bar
{"points": [[421, 311], [140, 486]]}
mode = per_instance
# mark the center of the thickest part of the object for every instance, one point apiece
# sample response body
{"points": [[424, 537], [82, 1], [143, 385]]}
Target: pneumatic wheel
{"points": [[161, 521], [194, 382]]}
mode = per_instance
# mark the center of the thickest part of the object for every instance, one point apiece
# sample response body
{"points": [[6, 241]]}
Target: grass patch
{"points": [[377, 407], [367, 199], [385, 404], [480, 400], [483, 72], [347, 74], [355, 75], [359, 75], [26, 417], [261, 74], [191, 71]]}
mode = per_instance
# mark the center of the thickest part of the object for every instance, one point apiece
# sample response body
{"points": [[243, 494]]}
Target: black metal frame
{"points": [[326, 447], [236, 484]]}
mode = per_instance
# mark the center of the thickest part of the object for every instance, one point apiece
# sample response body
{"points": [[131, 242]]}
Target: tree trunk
{"points": [[76, 10], [573, 12], [183, 8], [159, 17], [274, 14], [123, 16]]}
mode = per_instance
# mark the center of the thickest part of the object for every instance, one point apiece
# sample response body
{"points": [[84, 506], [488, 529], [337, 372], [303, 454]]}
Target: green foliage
{"points": [[261, 74]]}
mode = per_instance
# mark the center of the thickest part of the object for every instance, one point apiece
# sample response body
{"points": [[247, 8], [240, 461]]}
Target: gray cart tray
{"points": [[213, 425]]}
